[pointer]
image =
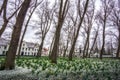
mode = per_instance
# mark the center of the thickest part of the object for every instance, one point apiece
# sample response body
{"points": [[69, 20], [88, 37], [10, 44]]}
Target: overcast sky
{"points": [[30, 35]]}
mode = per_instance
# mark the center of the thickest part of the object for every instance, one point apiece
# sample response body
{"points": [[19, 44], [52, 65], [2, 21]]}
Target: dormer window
{"points": [[23, 44]]}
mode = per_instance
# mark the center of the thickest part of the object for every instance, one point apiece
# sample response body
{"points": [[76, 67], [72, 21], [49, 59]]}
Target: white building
{"points": [[4, 45], [27, 48]]}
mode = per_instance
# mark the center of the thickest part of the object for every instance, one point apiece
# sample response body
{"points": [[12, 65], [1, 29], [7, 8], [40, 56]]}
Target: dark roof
{"points": [[31, 45]]}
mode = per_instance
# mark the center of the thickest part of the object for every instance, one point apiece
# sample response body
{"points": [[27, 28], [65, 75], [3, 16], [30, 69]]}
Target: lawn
{"points": [[78, 69]]}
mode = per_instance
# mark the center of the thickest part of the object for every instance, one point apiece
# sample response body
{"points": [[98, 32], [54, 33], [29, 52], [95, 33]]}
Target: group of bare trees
{"points": [[67, 19]]}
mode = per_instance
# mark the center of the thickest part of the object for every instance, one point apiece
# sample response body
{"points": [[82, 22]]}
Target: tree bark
{"points": [[84, 51], [76, 36], [107, 7], [4, 5], [55, 46], [103, 40], [65, 50], [87, 52], [94, 42], [118, 49], [62, 14], [26, 26], [10, 57], [40, 48], [51, 46]]}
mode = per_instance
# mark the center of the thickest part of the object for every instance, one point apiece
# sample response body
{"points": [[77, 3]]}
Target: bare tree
{"points": [[69, 29], [6, 20], [31, 11], [53, 34], [88, 23], [10, 57], [106, 8], [61, 45], [81, 16], [46, 18], [115, 18], [63, 9], [51, 46], [94, 40]]}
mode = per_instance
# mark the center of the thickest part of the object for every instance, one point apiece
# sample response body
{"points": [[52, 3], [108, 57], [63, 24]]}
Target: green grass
{"points": [[85, 69]]}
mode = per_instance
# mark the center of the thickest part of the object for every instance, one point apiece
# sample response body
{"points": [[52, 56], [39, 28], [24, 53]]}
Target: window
{"points": [[23, 44], [4, 52], [5, 47], [22, 53], [26, 49], [22, 48], [25, 53]]}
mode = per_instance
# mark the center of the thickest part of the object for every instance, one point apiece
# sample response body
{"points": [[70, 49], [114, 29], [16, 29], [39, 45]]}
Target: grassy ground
{"points": [[78, 69]]}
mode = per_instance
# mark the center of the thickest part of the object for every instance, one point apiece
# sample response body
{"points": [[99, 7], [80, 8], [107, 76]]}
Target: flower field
{"points": [[78, 69]]}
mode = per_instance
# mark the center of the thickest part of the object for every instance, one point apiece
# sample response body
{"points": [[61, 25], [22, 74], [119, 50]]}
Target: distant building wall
{"points": [[27, 48]]}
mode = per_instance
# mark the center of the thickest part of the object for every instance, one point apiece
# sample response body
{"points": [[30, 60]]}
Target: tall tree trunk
{"points": [[72, 50], [10, 57], [76, 36], [65, 50], [4, 5], [51, 46], [85, 46], [62, 14], [94, 42], [21, 41], [118, 49], [40, 48], [55, 46], [88, 40], [25, 29], [87, 52], [103, 40]]}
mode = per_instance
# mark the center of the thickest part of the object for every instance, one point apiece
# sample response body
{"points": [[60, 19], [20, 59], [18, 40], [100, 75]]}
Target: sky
{"points": [[30, 34]]}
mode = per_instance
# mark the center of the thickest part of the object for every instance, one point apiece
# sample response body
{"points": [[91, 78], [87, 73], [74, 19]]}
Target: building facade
{"points": [[27, 48]]}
